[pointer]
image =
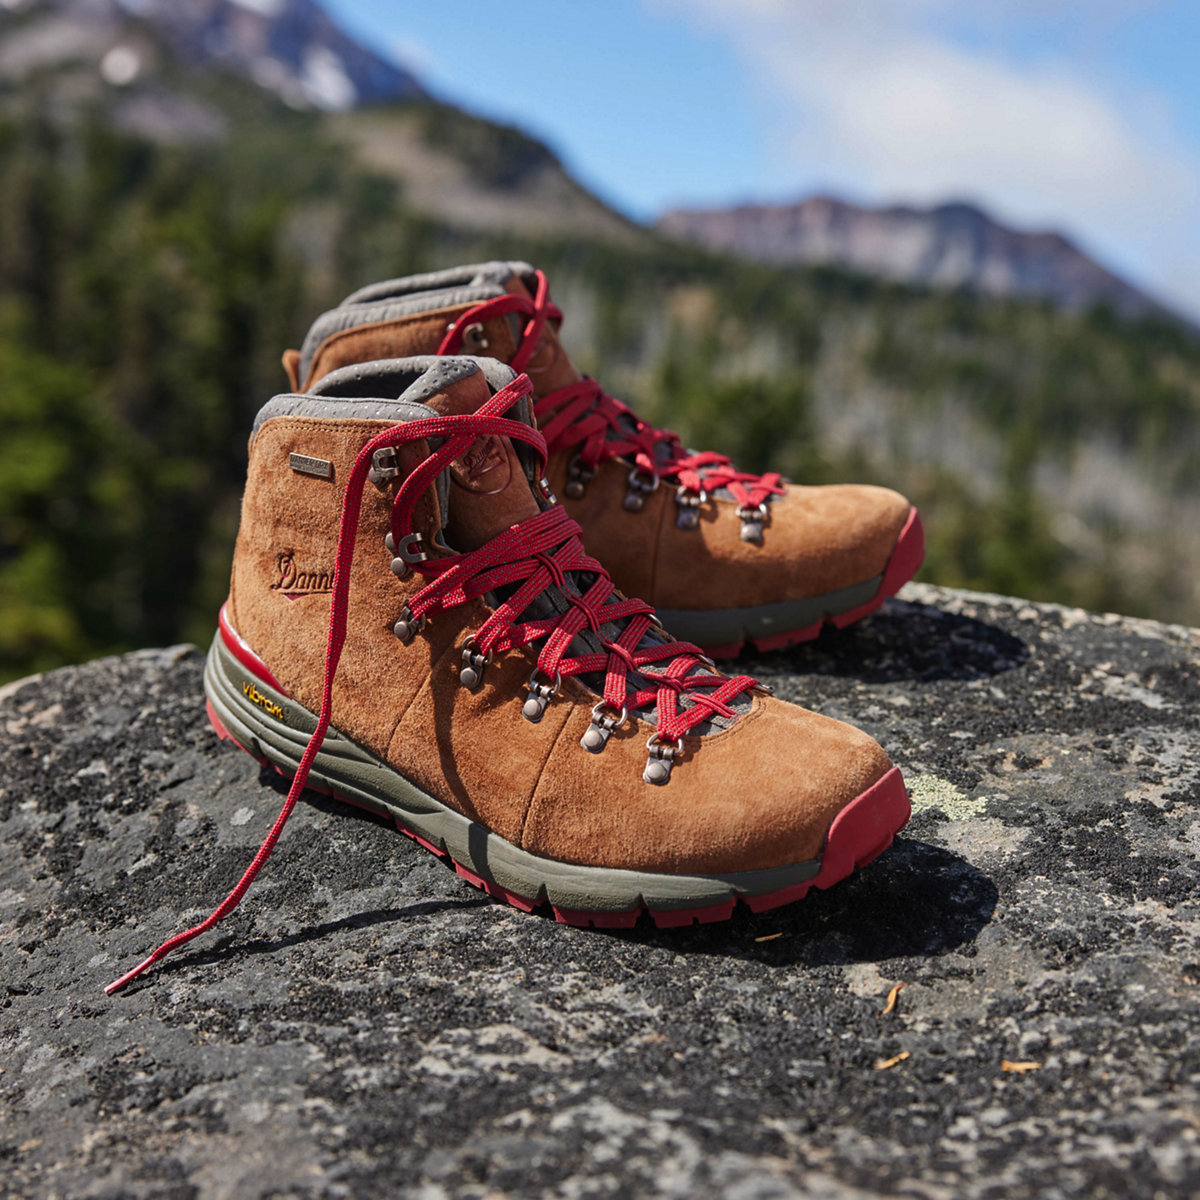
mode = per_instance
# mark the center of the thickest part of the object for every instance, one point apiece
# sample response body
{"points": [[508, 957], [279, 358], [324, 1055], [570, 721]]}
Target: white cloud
{"points": [[875, 97]]}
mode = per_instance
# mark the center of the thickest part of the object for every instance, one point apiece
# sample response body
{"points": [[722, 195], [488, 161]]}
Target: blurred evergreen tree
{"points": [[147, 291]]}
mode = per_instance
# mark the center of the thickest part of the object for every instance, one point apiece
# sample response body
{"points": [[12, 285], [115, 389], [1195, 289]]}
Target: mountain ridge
{"points": [[954, 244]]}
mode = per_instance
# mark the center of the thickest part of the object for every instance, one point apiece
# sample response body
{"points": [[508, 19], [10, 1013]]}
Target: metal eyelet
{"points": [[410, 549], [579, 475], [474, 338], [473, 663], [689, 503], [399, 567], [661, 760], [384, 466], [408, 626], [540, 695], [596, 735], [752, 522], [640, 486]]}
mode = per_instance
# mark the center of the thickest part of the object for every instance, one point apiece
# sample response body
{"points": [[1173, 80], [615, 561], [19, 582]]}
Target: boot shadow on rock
{"points": [[917, 900], [904, 641]]}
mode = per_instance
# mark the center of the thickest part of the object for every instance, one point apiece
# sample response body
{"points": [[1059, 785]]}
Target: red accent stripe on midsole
{"points": [[908, 555], [778, 641], [237, 646]]}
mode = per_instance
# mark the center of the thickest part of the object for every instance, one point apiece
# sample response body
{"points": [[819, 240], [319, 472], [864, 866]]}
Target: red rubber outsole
{"points": [[860, 833], [907, 556]]}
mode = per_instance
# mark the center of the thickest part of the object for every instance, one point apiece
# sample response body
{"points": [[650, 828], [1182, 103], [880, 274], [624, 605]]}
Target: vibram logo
{"points": [[264, 702], [292, 581]]}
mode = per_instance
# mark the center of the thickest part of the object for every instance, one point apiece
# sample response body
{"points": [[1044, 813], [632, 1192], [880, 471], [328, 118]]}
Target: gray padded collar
{"points": [[300, 405], [417, 379], [494, 274], [358, 391], [410, 296], [414, 379]]}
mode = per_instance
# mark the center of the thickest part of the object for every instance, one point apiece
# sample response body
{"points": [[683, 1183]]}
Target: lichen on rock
{"points": [[367, 1023]]}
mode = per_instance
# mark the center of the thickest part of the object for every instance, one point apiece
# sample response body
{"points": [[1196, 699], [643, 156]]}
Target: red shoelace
{"points": [[584, 414], [534, 555]]}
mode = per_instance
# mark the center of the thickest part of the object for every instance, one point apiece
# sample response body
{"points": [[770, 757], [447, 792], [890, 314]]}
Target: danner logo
{"points": [[294, 581], [264, 702], [483, 467]]}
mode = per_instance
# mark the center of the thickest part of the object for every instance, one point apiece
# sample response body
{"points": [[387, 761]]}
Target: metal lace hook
{"points": [[689, 503], [752, 517], [470, 674], [540, 695], [408, 626], [641, 484], [596, 736], [661, 760], [579, 475]]}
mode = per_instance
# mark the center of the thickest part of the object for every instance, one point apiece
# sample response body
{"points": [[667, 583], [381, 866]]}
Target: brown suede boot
{"points": [[414, 625], [725, 557]]}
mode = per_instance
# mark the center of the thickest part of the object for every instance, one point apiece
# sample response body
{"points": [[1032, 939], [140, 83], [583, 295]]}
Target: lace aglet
{"points": [[130, 976]]}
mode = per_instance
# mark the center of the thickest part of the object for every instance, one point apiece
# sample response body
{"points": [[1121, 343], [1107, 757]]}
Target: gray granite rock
{"points": [[368, 1024]]}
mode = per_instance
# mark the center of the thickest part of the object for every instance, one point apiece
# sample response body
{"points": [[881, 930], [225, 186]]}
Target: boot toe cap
{"points": [[839, 535], [760, 794]]}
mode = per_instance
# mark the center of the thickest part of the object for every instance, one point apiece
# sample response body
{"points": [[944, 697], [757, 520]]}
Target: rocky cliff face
{"points": [[950, 246], [290, 47], [367, 1024]]}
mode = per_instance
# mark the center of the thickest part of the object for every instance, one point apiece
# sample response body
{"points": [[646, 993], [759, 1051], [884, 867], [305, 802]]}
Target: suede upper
{"points": [[757, 791]]}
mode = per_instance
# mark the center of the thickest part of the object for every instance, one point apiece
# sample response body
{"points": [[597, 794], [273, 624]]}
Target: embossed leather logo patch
{"points": [[484, 467], [293, 579]]}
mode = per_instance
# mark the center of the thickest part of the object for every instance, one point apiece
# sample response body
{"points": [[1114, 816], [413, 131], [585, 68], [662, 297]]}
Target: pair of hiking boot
{"points": [[417, 625]]}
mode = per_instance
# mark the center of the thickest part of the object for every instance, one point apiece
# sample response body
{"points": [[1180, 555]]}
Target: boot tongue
{"points": [[549, 368], [488, 488]]}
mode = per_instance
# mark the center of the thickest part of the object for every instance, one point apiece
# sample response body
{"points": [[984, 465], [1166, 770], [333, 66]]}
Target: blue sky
{"points": [[1081, 115]]}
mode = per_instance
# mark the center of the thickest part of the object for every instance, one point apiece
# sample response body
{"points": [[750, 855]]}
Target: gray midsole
{"points": [[359, 776], [727, 626]]}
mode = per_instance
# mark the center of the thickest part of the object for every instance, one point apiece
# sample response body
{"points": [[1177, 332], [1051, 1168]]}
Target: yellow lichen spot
{"points": [[931, 791]]}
